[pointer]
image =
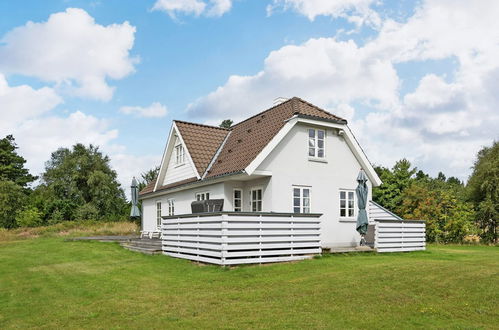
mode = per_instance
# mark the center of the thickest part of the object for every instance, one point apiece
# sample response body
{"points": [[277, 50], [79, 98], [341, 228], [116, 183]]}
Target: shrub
{"points": [[87, 212], [29, 217]]}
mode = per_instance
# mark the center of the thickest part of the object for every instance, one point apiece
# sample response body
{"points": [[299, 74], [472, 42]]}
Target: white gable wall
{"points": [[174, 172], [290, 165]]}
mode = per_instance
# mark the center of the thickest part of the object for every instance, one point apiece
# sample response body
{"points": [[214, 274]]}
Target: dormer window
{"points": [[179, 154], [316, 144]]}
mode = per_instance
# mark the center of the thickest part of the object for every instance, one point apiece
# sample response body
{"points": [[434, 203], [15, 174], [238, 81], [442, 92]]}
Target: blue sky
{"points": [[411, 80]]}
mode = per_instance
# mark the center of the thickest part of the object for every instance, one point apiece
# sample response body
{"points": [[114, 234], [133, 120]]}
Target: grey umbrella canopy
{"points": [[361, 191], [135, 212]]}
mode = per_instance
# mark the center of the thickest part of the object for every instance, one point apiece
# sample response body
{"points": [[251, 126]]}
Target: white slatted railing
{"points": [[399, 235], [230, 238]]}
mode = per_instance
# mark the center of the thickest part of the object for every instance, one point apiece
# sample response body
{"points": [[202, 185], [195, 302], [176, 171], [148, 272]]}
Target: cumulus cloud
{"points": [[71, 50], [18, 103], [325, 71], [155, 110], [358, 12], [212, 8], [440, 125]]}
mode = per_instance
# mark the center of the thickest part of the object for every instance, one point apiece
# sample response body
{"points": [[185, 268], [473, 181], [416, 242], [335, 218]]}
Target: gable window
{"points": [[179, 154], [238, 200], [347, 203], [171, 207], [316, 140], [301, 200], [202, 196], [158, 214], [256, 200]]}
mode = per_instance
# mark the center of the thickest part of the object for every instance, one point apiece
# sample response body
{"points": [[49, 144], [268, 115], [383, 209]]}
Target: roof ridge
{"points": [[203, 125], [262, 112]]}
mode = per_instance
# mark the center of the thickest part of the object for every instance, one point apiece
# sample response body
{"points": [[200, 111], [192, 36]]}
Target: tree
{"points": [[483, 191], [12, 201], [80, 181], [389, 194], [448, 218], [12, 165], [148, 176], [227, 123]]}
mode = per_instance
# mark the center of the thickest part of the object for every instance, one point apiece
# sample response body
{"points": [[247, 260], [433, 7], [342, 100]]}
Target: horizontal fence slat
{"points": [[271, 252], [264, 260], [399, 236]]}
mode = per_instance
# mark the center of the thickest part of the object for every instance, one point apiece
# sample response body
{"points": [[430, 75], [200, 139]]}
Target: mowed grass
{"points": [[50, 283]]}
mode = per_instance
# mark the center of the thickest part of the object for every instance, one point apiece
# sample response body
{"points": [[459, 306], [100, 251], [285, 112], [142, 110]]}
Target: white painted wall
{"points": [[175, 172], [183, 200], [290, 165], [246, 186]]}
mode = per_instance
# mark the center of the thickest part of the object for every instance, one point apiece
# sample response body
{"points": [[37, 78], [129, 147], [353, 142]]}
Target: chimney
{"points": [[279, 100]]}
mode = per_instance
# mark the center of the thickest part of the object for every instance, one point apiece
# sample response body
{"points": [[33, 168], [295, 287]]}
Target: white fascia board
{"points": [[354, 146], [186, 151], [250, 169], [217, 153], [164, 164]]}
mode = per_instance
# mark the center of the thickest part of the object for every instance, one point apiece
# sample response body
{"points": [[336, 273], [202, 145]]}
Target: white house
{"points": [[292, 160]]}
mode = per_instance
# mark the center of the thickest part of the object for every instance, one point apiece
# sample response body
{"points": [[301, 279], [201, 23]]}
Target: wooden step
{"points": [[146, 250]]}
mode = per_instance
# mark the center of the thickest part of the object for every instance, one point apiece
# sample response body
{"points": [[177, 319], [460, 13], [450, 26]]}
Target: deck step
{"points": [[142, 249]]}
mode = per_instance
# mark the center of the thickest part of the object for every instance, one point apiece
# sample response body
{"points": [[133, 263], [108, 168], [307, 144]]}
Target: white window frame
{"points": [[171, 207], [179, 154], [240, 208], [315, 144], [256, 200], [158, 214], [301, 197], [348, 193], [201, 196]]}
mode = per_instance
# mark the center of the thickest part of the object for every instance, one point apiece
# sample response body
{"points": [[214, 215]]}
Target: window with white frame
{"points": [[202, 196], [301, 200], [171, 207], [238, 200], [347, 203], [158, 214], [256, 199], [179, 154], [316, 143]]}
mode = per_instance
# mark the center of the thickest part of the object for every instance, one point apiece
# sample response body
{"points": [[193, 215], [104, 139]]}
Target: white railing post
{"points": [[224, 233]]}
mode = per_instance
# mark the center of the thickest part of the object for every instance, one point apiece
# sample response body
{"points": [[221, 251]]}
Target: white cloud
{"points": [[155, 110], [21, 102], [324, 71], [71, 50], [355, 11], [212, 8], [439, 126]]}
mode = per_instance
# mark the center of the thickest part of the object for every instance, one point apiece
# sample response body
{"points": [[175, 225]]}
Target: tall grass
{"points": [[71, 229]]}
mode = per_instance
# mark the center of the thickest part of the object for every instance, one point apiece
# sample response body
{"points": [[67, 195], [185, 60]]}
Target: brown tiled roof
{"points": [[246, 140], [202, 141], [249, 137], [150, 187]]}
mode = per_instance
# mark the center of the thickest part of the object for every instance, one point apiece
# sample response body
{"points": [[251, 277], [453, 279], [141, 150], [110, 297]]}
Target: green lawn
{"points": [[49, 283]]}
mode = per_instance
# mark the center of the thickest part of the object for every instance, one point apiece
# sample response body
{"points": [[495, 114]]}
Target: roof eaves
{"points": [[329, 120]]}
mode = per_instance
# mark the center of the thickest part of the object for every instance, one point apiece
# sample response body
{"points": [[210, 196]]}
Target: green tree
{"points": [[448, 218], [12, 201], [12, 165], [29, 217], [483, 191], [395, 181], [148, 176], [81, 178], [227, 123]]}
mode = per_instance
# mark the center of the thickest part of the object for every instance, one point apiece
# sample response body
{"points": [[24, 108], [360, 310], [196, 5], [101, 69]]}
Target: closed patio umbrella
{"points": [[135, 212], [361, 191]]}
